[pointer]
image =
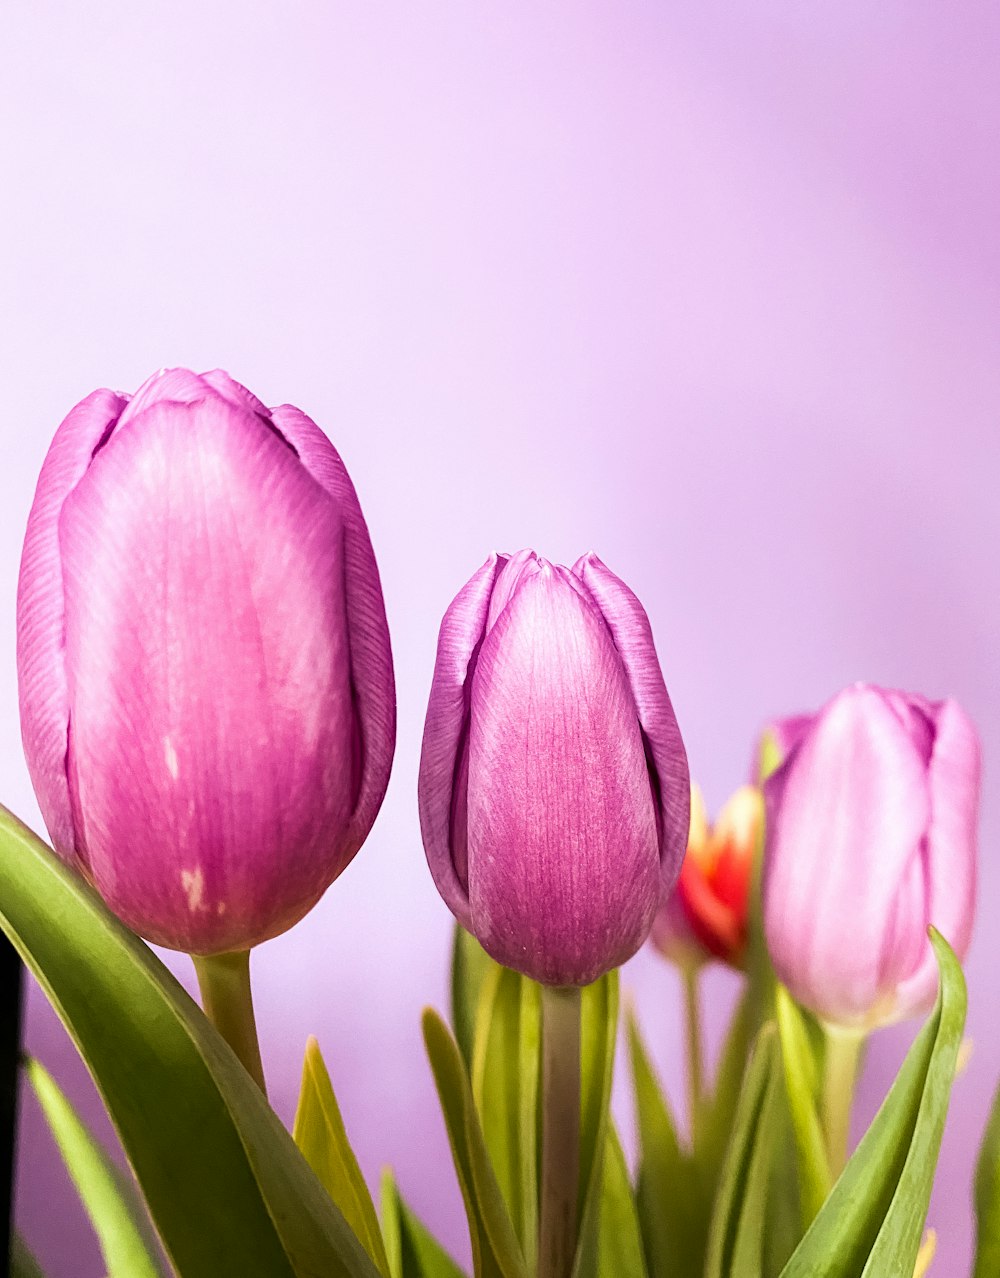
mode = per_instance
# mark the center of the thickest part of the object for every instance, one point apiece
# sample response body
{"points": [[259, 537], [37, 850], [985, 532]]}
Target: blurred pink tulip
{"points": [[206, 685], [871, 837], [554, 786]]}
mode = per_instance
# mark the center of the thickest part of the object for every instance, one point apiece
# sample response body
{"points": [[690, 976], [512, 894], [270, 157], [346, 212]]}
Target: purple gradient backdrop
{"points": [[712, 289]]}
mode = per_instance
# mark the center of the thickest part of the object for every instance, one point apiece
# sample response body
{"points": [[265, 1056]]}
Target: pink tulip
{"points": [[871, 838], [554, 786], [206, 685]]}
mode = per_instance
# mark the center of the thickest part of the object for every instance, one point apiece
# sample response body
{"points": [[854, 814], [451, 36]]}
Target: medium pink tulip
{"points": [[871, 838], [206, 685], [554, 786]]}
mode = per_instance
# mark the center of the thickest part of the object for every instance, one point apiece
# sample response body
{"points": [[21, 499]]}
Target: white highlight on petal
{"points": [[193, 883], [170, 757]]}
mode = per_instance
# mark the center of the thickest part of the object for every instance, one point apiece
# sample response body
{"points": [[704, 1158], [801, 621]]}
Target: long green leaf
{"points": [[495, 1249], [720, 1109], [870, 1225], [619, 1247], [226, 1187], [749, 1247], [898, 1244], [471, 967], [783, 1227], [988, 1198], [598, 1036], [671, 1214], [505, 1070], [320, 1133], [735, 1241], [413, 1252], [117, 1217], [801, 1082]]}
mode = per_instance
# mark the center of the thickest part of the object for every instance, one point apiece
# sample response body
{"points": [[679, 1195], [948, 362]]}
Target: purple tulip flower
{"points": [[871, 838], [206, 685], [554, 787]]}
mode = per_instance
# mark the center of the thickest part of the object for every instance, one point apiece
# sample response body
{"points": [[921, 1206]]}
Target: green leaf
{"points": [[471, 966], [619, 1245], [871, 1224], [671, 1214], [413, 1252], [320, 1133], [22, 1262], [801, 1072], [987, 1198], [783, 1226], [495, 1249], [736, 1235], [598, 1035], [720, 1110], [505, 1076], [111, 1205], [228, 1191]]}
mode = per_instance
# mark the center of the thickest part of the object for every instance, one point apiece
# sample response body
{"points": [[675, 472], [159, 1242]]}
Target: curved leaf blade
{"points": [[619, 1244], [227, 1190], [720, 1109], [118, 1220], [413, 1251], [672, 1219], [320, 1133], [495, 1249], [987, 1198], [801, 1081], [898, 1244], [598, 1036], [736, 1234], [875, 1212], [505, 1076], [471, 967]]}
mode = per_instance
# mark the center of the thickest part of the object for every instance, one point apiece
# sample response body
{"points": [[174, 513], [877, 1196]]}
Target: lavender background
{"points": [[710, 288]]}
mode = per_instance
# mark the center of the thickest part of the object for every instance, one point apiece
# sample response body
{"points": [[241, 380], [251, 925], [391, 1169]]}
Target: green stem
{"points": [[840, 1072], [560, 1131], [224, 981], [695, 1058]]}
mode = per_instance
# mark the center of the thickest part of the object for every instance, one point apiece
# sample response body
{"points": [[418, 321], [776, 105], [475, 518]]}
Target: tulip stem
{"points": [[560, 1170], [695, 1058], [840, 1072], [224, 981]]}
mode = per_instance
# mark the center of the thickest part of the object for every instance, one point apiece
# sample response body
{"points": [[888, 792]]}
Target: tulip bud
{"points": [[871, 838], [554, 786], [206, 685], [706, 917]]}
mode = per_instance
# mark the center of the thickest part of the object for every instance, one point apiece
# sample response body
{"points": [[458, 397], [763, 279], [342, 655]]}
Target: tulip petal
{"points": [[514, 568], [210, 712], [181, 386], [564, 875], [372, 680], [444, 754], [41, 613], [952, 836], [854, 810], [633, 638]]}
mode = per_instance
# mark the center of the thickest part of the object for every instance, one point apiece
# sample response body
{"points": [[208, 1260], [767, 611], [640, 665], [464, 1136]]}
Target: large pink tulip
{"points": [[554, 786], [871, 838], [206, 685]]}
